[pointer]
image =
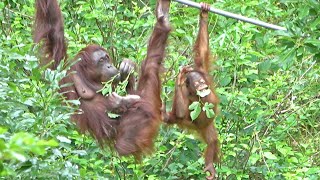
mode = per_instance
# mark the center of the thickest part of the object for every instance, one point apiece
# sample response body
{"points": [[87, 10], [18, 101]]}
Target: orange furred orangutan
{"points": [[133, 132], [191, 81]]}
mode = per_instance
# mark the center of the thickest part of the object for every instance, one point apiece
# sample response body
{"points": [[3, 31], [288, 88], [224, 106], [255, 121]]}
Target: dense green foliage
{"points": [[268, 83]]}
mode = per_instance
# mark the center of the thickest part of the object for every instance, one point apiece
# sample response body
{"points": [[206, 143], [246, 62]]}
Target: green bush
{"points": [[267, 81]]}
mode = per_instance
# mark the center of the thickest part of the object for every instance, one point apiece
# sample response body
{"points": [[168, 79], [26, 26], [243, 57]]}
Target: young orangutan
{"points": [[189, 82]]}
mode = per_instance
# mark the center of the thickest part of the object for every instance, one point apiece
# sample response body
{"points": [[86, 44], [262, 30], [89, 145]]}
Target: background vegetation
{"points": [[268, 82]]}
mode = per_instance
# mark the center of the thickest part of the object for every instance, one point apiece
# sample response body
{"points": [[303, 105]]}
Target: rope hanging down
{"points": [[234, 16]]}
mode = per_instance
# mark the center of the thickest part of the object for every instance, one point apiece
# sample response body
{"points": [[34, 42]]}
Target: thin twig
{"points": [[99, 27], [15, 12], [278, 110], [168, 160], [299, 79], [261, 151]]}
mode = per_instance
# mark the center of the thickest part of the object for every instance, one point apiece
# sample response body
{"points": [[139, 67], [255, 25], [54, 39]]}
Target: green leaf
{"points": [[18, 156], [1, 167], [3, 130], [288, 59], [209, 113], [314, 42], [315, 24], [264, 66], [208, 105], [112, 115], [269, 155], [196, 107], [254, 158], [51, 142], [74, 102], [64, 139], [180, 31], [195, 114], [225, 81], [303, 12], [106, 90], [208, 110], [2, 145], [293, 160]]}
